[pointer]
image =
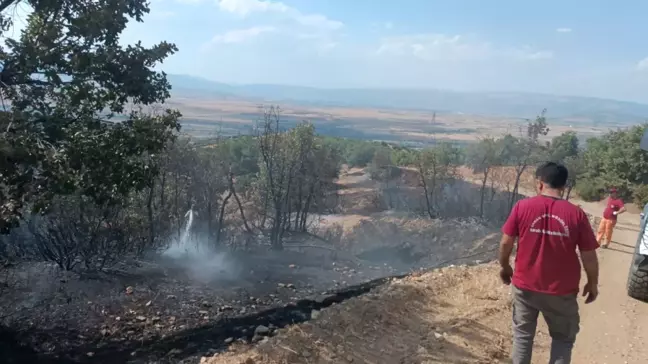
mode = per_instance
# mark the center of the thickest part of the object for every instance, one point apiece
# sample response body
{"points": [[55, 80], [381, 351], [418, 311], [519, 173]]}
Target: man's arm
{"points": [[591, 266], [505, 250], [509, 231], [587, 246]]}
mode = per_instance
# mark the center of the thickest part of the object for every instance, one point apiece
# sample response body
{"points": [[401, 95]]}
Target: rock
{"points": [[229, 340], [262, 330], [203, 312], [290, 285], [249, 361], [171, 297], [140, 318], [206, 304], [90, 354], [315, 314], [349, 359], [148, 303], [292, 266], [281, 285], [437, 335], [257, 338], [129, 290], [174, 352]]}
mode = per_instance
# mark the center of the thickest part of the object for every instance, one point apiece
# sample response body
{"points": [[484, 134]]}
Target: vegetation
{"points": [[63, 80], [93, 168]]}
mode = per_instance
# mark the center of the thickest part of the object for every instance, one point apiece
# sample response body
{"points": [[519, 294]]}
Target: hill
{"points": [[512, 104]]}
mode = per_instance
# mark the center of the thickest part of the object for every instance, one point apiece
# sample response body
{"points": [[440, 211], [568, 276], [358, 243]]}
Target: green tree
{"points": [[527, 150], [437, 167], [563, 146], [615, 159], [482, 157], [77, 120]]}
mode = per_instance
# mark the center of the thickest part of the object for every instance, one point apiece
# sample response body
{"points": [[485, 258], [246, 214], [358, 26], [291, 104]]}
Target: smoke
{"points": [[194, 253]]}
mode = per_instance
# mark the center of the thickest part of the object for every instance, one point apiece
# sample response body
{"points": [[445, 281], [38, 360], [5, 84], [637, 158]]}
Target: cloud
{"points": [[438, 47], [389, 25], [162, 15], [245, 7], [564, 30], [642, 65], [241, 35]]}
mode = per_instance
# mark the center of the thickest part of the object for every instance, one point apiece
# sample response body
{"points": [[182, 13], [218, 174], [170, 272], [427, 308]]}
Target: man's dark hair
{"points": [[553, 174]]}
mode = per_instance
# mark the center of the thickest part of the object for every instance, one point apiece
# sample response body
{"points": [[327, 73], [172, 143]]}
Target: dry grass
{"points": [[450, 315]]}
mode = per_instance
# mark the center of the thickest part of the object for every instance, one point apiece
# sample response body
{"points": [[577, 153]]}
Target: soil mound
{"points": [[449, 315]]}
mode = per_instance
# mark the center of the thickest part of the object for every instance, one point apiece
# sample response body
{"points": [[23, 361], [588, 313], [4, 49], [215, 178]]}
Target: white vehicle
{"points": [[638, 277]]}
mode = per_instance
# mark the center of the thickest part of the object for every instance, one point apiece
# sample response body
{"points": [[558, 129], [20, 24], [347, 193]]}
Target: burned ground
{"points": [[165, 312], [177, 308], [451, 315]]}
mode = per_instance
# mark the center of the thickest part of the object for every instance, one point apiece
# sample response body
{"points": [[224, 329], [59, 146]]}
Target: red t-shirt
{"points": [[549, 230], [612, 204]]}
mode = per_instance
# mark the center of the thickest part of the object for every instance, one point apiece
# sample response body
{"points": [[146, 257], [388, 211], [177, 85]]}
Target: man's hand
{"points": [[615, 213], [505, 274], [591, 291]]}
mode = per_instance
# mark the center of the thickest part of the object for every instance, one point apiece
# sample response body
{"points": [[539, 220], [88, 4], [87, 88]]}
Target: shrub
{"points": [[590, 191], [640, 195]]}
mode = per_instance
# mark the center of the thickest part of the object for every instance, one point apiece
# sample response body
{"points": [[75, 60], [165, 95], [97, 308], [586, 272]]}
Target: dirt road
{"points": [[614, 329]]}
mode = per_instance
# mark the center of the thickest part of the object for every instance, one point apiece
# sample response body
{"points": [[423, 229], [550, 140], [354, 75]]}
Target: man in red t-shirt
{"points": [[613, 207], [547, 271]]}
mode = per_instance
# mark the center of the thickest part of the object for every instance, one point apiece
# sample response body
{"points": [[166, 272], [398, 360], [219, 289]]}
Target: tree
{"points": [[575, 166], [563, 146], [482, 157], [526, 150], [437, 167], [77, 120], [615, 159]]}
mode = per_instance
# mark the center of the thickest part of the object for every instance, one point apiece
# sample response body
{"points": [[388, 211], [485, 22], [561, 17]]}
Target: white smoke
{"points": [[195, 253]]}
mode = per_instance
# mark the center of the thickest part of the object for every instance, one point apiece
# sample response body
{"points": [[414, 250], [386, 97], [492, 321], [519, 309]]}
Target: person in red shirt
{"points": [[546, 278], [613, 207]]}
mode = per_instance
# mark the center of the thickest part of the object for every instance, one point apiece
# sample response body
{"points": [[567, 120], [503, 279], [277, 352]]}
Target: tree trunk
{"points": [[569, 190], [275, 236], [428, 204], [221, 217], [149, 208], [240, 206], [516, 186], [483, 192]]}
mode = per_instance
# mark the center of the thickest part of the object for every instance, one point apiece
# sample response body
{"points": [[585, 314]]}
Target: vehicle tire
{"points": [[638, 284]]}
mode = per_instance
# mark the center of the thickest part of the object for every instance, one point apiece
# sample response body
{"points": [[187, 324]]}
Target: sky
{"points": [[588, 48]]}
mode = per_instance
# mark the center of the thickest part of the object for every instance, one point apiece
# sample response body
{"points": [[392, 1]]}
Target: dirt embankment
{"points": [[450, 315]]}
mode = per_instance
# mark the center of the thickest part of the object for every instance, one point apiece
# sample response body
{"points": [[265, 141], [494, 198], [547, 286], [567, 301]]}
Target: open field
{"points": [[207, 117]]}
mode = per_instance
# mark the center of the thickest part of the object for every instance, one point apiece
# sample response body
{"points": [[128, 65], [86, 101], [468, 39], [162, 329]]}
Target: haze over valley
{"points": [[416, 116]]}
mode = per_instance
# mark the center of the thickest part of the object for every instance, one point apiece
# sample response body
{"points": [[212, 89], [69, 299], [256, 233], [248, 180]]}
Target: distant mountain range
{"points": [[510, 104]]}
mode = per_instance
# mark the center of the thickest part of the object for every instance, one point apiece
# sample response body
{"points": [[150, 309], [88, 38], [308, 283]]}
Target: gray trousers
{"points": [[561, 315]]}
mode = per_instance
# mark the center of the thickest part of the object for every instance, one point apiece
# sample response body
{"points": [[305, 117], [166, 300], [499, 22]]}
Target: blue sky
{"points": [[589, 48]]}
